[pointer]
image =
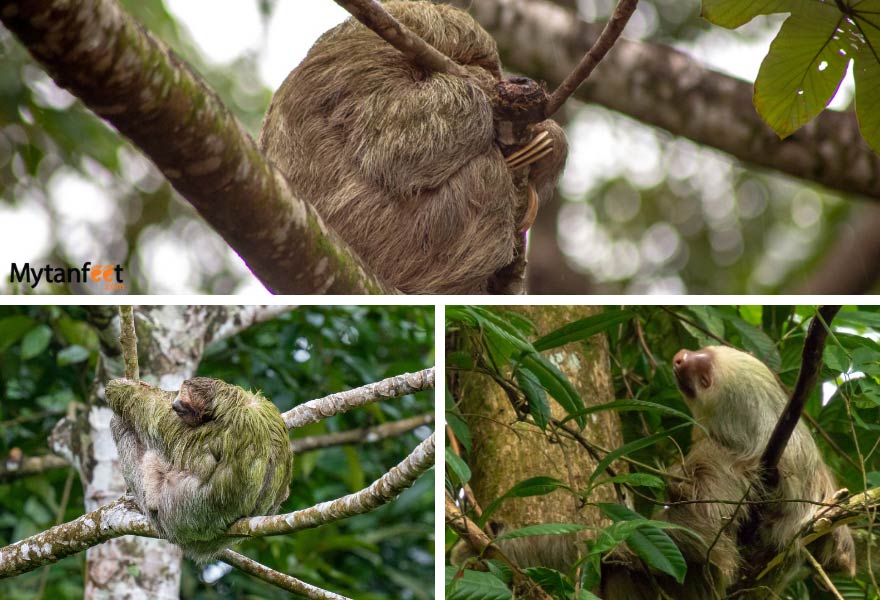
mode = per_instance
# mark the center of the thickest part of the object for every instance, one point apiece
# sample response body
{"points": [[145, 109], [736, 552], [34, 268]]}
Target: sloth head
{"points": [[727, 389]]}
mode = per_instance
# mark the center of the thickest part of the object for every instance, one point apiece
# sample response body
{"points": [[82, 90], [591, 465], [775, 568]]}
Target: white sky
{"points": [[235, 28]]}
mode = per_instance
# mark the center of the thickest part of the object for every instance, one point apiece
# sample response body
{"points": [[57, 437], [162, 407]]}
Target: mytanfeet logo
{"points": [[109, 275]]}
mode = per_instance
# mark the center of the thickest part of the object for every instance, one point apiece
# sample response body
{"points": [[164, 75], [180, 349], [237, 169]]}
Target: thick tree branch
{"points": [[364, 435], [414, 48], [660, 86], [393, 387], [232, 320], [100, 54], [281, 580], [111, 520]]}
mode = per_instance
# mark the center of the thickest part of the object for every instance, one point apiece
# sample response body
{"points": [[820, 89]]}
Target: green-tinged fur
{"points": [[193, 482]]}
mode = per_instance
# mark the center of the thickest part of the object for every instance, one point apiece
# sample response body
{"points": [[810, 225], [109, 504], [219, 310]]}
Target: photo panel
{"points": [[646, 452], [200, 451]]}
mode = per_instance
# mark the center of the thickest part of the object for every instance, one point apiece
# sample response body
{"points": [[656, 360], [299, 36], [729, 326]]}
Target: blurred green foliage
{"points": [[47, 363]]}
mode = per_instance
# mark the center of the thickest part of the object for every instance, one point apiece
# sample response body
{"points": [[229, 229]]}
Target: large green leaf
{"points": [[556, 383], [632, 447], [804, 68], [535, 486], [733, 13], [535, 395], [582, 329], [866, 71], [649, 541], [474, 585]]}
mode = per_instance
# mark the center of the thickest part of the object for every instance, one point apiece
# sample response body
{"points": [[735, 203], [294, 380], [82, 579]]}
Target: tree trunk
{"points": [[506, 451]]}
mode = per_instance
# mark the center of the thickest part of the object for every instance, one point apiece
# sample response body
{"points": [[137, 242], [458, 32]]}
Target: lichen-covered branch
{"points": [[363, 435], [128, 341], [393, 387], [281, 580], [95, 50], [232, 320], [382, 491], [107, 522], [122, 517], [666, 88]]}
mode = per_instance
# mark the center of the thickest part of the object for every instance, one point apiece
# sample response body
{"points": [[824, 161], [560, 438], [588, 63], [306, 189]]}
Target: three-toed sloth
{"points": [[403, 163], [199, 459]]}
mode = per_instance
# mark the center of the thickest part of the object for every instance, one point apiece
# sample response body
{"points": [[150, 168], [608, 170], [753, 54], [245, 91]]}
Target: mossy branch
{"points": [[128, 341]]}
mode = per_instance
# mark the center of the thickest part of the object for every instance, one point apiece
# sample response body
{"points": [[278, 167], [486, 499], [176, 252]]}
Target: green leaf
{"points": [[757, 342], [632, 447], [556, 383], [582, 329], [866, 71], [733, 13], [542, 529], [474, 585], [836, 359], [457, 467], [649, 541], [72, 355], [539, 408], [35, 341], [635, 479], [802, 71], [12, 328]]}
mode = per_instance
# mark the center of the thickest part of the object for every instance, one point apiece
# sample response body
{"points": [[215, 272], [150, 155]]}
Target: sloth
{"points": [[199, 459], [403, 163], [737, 400]]}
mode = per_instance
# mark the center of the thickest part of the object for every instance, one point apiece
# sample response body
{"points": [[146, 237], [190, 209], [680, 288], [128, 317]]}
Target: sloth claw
{"points": [[539, 147], [531, 211]]}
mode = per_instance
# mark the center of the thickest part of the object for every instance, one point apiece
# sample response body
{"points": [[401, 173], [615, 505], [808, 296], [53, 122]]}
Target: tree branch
{"points": [[663, 87], [480, 543], [94, 49], [128, 341], [281, 580], [17, 468], [613, 28], [381, 491], [371, 14], [811, 364], [359, 436], [122, 517], [393, 387]]}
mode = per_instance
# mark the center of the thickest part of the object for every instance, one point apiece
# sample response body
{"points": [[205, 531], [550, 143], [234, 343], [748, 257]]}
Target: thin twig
{"points": [[414, 48], [822, 575], [613, 29], [128, 341], [281, 580]]}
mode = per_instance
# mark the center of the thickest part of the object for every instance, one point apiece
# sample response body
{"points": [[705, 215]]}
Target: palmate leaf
{"points": [[866, 70], [804, 68], [733, 13]]}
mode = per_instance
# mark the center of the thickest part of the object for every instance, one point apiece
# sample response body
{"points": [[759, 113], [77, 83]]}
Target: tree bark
{"points": [[506, 451]]}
